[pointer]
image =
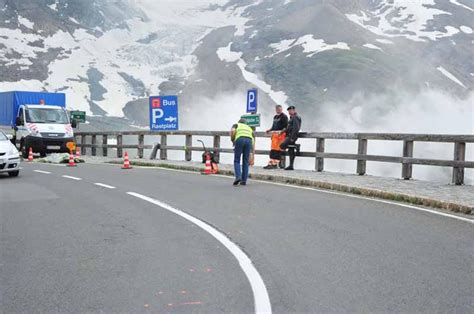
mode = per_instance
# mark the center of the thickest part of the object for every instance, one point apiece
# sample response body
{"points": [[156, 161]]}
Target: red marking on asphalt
{"points": [[170, 304]]}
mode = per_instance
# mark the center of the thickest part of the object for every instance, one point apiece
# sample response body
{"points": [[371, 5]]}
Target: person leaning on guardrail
{"points": [[243, 138], [292, 132], [280, 122]]}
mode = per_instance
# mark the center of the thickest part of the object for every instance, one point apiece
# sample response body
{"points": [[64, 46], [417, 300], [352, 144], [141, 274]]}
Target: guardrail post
{"points": [[141, 142], [163, 151], [188, 153], [104, 148], [459, 155], [217, 147], [83, 141], [362, 150], [319, 149], [93, 148], [119, 146], [407, 168]]}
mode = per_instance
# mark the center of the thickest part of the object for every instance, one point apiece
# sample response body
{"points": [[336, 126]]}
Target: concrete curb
{"points": [[393, 196]]}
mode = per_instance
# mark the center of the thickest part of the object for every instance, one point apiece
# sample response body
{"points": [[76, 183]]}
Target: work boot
{"points": [[289, 168]]}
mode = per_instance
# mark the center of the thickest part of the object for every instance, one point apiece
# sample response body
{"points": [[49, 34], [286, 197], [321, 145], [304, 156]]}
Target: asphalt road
{"points": [[70, 245]]}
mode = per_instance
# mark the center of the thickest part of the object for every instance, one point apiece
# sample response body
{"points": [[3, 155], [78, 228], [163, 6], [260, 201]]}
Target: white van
{"points": [[44, 128]]}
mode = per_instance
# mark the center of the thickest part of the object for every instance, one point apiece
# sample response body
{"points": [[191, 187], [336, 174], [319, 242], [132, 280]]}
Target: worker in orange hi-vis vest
{"points": [[280, 123]]}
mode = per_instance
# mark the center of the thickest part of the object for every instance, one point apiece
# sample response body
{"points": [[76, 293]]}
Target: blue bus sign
{"points": [[252, 100], [164, 113]]}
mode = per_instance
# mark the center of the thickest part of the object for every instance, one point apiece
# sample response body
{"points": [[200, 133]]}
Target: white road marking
{"points": [[260, 294], [41, 171], [372, 199], [72, 178], [105, 185]]}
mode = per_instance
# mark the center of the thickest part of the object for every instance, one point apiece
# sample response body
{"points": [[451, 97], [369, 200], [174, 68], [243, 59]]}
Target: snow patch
{"points": [[73, 20], [461, 5], [402, 18], [450, 76], [25, 22], [385, 41], [371, 46], [227, 55], [466, 29], [310, 45], [54, 6]]}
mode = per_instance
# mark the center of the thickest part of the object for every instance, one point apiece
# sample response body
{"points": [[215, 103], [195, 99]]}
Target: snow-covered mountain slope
{"points": [[101, 65], [108, 56]]}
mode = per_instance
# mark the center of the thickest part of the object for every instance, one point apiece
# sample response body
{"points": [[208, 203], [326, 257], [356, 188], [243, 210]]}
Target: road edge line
{"points": [[360, 193]]}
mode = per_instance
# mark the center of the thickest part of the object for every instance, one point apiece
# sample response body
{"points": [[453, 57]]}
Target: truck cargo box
{"points": [[11, 101]]}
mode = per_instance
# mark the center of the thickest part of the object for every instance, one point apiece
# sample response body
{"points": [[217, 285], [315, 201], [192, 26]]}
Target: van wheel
{"points": [[14, 173]]}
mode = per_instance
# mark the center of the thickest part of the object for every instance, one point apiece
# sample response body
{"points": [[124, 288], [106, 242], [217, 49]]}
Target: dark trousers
{"points": [[291, 146], [243, 146]]}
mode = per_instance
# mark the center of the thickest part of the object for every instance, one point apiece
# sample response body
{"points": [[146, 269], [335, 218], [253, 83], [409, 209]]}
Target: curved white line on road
{"points": [[260, 294]]}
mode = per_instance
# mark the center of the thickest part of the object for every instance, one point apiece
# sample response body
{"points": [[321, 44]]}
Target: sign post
{"points": [[164, 113]]}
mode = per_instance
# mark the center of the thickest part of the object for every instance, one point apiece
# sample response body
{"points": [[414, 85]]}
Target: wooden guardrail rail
{"points": [[86, 140]]}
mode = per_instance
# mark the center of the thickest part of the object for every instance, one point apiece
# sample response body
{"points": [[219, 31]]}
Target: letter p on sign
{"points": [[252, 100], [156, 114]]}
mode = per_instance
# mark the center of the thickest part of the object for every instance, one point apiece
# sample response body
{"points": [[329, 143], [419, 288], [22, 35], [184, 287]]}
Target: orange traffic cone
{"points": [[78, 153], [208, 167], [30, 154], [126, 162], [71, 163]]}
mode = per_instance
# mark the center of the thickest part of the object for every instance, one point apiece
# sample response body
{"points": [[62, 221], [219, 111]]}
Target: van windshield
{"points": [[42, 115]]}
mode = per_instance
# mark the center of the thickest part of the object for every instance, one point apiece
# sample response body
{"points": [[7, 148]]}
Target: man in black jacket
{"points": [[292, 133]]}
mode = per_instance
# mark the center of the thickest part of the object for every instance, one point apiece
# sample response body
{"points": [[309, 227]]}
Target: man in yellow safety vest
{"points": [[244, 143]]}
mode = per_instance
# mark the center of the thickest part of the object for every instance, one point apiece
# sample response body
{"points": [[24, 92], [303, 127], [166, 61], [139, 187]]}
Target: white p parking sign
{"points": [[252, 100]]}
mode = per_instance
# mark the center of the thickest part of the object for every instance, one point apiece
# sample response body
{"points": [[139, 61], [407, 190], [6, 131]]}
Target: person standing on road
{"points": [[292, 133], [280, 123], [244, 143]]}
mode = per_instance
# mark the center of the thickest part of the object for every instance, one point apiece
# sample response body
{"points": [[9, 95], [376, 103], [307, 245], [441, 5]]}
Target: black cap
{"points": [[291, 107]]}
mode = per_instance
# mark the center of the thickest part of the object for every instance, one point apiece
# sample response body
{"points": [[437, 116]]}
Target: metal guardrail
{"points": [[407, 160]]}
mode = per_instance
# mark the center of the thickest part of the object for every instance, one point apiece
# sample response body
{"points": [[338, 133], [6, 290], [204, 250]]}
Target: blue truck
{"points": [[38, 121]]}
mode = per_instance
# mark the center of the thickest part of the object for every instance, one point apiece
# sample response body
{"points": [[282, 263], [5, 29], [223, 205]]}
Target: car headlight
{"points": [[35, 133], [69, 134]]}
